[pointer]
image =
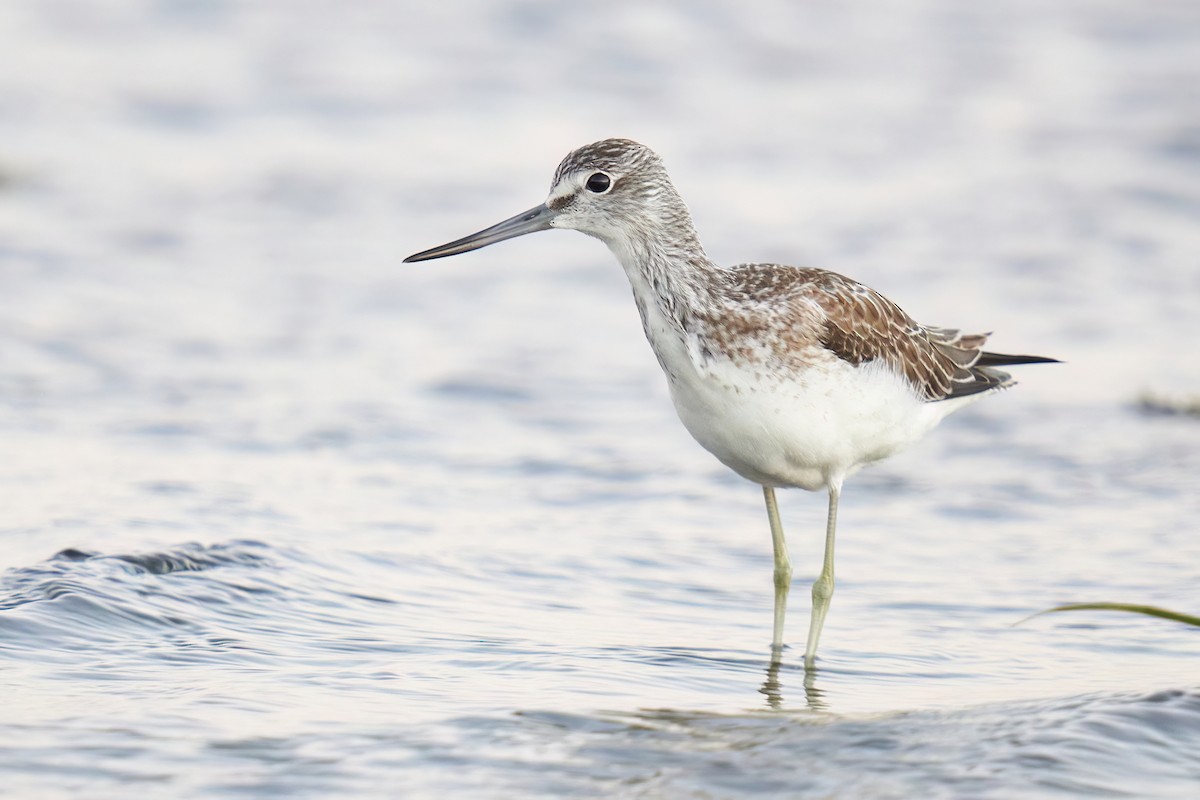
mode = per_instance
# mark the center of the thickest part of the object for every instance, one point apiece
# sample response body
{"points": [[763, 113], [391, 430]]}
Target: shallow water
{"points": [[283, 517]]}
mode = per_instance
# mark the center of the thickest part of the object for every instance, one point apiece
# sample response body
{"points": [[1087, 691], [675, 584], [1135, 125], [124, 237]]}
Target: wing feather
{"points": [[857, 324], [862, 325]]}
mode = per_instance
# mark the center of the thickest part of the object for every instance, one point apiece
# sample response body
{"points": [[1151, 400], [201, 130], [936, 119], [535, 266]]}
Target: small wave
{"points": [[1124, 745], [234, 602], [69, 571], [135, 610]]}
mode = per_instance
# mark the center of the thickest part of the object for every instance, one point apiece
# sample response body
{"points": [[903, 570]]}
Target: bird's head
{"points": [[611, 189]]}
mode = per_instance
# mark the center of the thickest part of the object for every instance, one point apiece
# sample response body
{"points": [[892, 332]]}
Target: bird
{"points": [[792, 377]]}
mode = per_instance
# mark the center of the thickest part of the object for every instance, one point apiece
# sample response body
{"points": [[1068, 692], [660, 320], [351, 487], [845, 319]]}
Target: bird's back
{"points": [[798, 376], [807, 315]]}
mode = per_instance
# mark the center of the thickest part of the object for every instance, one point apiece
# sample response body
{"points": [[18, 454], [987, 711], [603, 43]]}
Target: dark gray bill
{"points": [[535, 219]]}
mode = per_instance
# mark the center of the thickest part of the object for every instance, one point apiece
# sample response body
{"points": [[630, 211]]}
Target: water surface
{"points": [[284, 517]]}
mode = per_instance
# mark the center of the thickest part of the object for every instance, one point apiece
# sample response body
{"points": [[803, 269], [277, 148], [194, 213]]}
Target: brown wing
{"points": [[862, 325]]}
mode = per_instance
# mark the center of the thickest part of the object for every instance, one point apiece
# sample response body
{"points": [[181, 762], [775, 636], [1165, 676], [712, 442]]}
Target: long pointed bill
{"points": [[531, 221]]}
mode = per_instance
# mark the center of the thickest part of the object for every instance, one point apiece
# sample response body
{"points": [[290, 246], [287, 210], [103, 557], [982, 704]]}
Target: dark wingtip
{"points": [[1006, 360]]}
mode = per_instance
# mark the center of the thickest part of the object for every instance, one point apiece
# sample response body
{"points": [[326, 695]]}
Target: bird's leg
{"points": [[783, 570], [822, 590]]}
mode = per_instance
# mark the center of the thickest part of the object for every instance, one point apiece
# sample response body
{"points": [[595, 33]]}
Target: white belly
{"points": [[807, 430]]}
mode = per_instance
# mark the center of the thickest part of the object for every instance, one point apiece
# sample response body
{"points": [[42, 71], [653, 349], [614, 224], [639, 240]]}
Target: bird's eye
{"points": [[598, 183]]}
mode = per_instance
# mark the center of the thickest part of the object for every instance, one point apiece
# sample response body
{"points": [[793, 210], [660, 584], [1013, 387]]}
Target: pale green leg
{"points": [[783, 569], [822, 591]]}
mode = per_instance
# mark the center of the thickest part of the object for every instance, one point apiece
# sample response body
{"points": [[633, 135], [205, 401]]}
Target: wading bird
{"points": [[791, 377]]}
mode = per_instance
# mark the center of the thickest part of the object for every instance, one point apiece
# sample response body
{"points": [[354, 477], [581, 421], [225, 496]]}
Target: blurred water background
{"points": [[282, 517]]}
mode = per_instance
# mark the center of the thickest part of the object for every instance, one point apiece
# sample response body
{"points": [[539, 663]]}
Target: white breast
{"points": [[808, 428]]}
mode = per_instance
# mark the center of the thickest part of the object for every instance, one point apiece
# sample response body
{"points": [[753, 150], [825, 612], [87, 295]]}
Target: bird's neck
{"points": [[669, 274]]}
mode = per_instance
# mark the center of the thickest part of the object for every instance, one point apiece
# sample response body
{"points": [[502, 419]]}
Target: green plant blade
{"points": [[1150, 611]]}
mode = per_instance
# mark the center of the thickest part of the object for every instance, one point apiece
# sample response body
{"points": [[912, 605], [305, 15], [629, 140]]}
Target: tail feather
{"points": [[974, 371], [984, 377]]}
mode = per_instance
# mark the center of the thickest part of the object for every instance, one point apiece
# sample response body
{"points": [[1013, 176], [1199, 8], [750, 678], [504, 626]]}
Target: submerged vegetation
{"points": [[1153, 403]]}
